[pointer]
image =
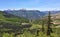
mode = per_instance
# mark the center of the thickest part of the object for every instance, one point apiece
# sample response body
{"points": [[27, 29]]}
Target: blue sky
{"points": [[30, 4]]}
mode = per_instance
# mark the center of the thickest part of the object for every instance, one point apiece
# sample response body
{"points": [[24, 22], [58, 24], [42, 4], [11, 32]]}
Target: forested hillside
{"points": [[14, 26]]}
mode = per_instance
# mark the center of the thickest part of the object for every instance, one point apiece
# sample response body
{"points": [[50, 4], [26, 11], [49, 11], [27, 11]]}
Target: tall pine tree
{"points": [[49, 28]]}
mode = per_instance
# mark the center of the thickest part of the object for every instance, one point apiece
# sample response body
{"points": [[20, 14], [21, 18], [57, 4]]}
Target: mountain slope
{"points": [[9, 18]]}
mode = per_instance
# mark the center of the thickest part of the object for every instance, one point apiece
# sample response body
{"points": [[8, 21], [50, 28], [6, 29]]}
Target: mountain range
{"points": [[30, 14]]}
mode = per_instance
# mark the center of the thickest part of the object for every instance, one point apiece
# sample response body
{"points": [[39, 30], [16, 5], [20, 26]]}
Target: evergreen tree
{"points": [[42, 24], [49, 28]]}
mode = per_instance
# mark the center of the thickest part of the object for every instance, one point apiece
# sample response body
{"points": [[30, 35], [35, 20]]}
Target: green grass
{"points": [[28, 34]]}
